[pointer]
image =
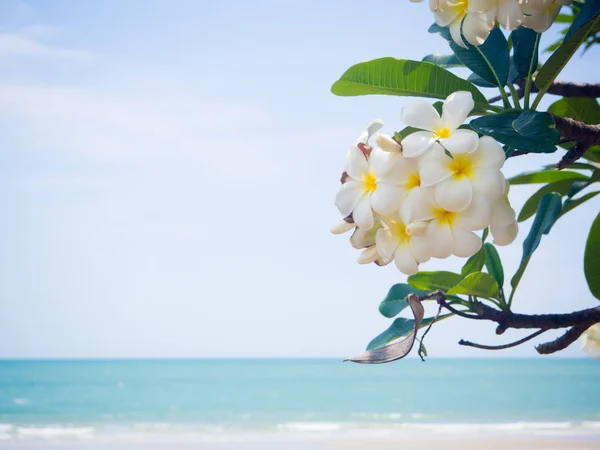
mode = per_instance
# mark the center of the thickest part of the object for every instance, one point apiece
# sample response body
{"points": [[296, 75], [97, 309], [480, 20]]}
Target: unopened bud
{"points": [[416, 228], [342, 227], [368, 255], [386, 143]]}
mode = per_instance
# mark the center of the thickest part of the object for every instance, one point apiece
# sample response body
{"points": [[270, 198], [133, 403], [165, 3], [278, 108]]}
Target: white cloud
{"points": [[28, 43], [222, 136]]}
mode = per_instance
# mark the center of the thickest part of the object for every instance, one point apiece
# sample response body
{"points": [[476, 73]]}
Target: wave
{"points": [[169, 432]]}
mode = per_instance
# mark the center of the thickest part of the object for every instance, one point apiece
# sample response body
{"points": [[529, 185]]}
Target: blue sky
{"points": [[168, 171]]}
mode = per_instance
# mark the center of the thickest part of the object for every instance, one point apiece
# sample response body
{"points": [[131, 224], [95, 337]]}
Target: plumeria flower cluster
{"points": [[424, 197], [477, 18]]}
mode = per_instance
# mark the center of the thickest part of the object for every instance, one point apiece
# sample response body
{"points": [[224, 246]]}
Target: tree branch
{"points": [[560, 88], [585, 136], [566, 89], [563, 341], [577, 322], [501, 347]]}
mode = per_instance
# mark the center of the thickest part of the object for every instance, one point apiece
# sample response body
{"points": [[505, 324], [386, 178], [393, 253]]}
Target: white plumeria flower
{"points": [[387, 143], [503, 225], [451, 233], [509, 14], [455, 180], [401, 244], [591, 341], [370, 185], [440, 130], [476, 18], [540, 14]]}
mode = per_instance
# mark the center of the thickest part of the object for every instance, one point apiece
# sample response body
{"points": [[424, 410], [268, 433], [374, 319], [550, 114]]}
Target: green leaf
{"points": [[531, 205], [547, 213], [479, 284], [530, 131], [525, 52], [474, 263], [494, 264], [569, 204], [591, 258], [430, 281], [593, 154], [391, 76], [546, 176], [575, 166], [395, 301], [399, 349], [585, 21], [490, 60], [406, 131], [478, 81], [444, 60], [586, 110]]}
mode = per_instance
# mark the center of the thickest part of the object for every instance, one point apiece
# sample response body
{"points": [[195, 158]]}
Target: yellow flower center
{"points": [[413, 181], [461, 6], [443, 133], [369, 183], [398, 230], [444, 217], [462, 166]]}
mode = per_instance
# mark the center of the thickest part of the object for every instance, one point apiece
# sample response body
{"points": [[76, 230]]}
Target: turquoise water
{"points": [[39, 398]]}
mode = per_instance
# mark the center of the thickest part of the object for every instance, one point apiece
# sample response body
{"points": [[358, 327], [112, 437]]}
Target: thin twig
{"points": [[563, 341], [420, 352], [501, 347]]}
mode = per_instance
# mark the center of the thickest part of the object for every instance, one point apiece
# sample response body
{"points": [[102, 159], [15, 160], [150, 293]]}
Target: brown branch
{"points": [[501, 347], [584, 135], [577, 322], [560, 88], [563, 341], [567, 89]]}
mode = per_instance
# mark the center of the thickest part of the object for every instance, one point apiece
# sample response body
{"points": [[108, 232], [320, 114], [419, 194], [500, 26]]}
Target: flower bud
{"points": [[386, 143], [368, 255], [342, 227], [416, 228]]}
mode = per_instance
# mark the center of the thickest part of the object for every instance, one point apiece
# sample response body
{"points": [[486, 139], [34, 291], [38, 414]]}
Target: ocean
{"points": [[223, 400]]}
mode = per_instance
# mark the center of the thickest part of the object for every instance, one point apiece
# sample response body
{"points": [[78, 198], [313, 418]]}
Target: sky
{"points": [[168, 171]]}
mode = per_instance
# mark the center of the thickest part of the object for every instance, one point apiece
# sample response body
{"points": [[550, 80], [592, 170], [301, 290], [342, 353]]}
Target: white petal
{"points": [[368, 255], [455, 32], [487, 182], [477, 27], [386, 244], [461, 141], [421, 114], [477, 215], [502, 214], [348, 197], [420, 248], [439, 238], [465, 243], [456, 109], [435, 169], [505, 235], [386, 199], [356, 163], [417, 143], [387, 144], [454, 194], [509, 15], [490, 153], [416, 206], [444, 15], [363, 238], [416, 228], [371, 129], [405, 261], [342, 227], [362, 214]]}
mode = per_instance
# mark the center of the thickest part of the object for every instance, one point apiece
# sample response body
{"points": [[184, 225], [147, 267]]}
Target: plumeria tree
{"points": [[435, 188]]}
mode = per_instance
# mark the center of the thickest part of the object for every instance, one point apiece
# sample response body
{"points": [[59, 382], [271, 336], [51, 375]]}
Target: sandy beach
{"points": [[441, 443]]}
